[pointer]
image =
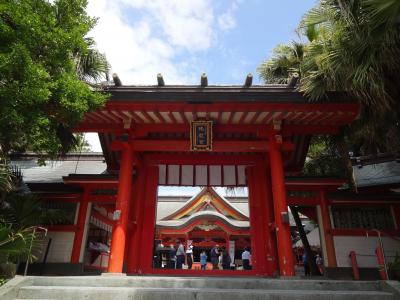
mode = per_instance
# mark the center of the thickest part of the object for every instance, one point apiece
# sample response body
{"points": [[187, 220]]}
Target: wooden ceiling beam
{"points": [[159, 116], [231, 116], [183, 117], [172, 117], [99, 115], [147, 117], [135, 117], [242, 117]]}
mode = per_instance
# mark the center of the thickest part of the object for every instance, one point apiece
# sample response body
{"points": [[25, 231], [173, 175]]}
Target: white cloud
{"points": [[185, 23], [139, 49], [226, 20], [144, 37]]}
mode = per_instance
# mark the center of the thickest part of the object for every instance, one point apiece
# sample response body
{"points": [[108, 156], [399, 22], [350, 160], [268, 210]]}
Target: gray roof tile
{"points": [[53, 171]]}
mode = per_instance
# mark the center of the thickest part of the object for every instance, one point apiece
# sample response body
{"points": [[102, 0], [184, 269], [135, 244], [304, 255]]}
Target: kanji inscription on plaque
{"points": [[201, 135]]}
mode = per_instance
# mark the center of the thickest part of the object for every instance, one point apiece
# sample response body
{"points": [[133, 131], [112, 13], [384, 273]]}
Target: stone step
{"points": [[125, 293], [207, 282]]}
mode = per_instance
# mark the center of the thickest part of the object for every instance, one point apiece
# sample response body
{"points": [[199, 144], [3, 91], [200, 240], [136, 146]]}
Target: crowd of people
{"points": [[180, 256]]}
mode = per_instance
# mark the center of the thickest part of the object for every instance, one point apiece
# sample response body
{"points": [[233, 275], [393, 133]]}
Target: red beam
{"points": [[102, 218], [233, 106], [303, 201], [364, 232], [314, 184], [62, 228], [144, 129], [218, 146], [204, 159], [99, 127]]}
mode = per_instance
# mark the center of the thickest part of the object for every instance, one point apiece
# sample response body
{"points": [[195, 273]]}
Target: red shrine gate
{"points": [[266, 130]]}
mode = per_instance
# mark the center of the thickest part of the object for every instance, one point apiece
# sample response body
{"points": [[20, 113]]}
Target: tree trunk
{"points": [[311, 257], [344, 154]]}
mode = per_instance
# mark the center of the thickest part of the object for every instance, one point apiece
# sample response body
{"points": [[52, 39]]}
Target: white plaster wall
{"points": [[60, 248], [364, 248]]}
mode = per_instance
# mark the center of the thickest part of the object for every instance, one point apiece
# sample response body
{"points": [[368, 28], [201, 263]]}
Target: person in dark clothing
{"points": [[246, 256], [306, 264], [214, 256], [226, 259]]}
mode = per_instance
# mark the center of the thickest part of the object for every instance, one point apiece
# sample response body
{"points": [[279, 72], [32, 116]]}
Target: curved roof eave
{"points": [[203, 214]]}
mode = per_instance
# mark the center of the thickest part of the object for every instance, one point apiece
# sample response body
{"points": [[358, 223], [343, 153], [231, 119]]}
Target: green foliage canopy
{"points": [[42, 95], [351, 46]]}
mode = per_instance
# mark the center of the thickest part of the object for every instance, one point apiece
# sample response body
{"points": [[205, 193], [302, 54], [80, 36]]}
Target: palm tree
{"points": [[81, 144], [353, 46], [91, 65], [285, 62], [16, 244], [5, 180], [15, 241], [357, 51]]}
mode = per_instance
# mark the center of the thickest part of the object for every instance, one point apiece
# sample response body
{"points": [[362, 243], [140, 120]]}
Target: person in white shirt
{"points": [[180, 255], [189, 255], [246, 258]]}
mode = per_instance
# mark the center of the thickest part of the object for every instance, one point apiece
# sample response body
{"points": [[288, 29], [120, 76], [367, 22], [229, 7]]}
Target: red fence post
{"points": [[381, 263], [354, 265]]}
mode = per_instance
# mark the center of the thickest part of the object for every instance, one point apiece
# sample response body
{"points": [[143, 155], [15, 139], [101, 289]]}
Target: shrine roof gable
{"points": [[208, 200]]}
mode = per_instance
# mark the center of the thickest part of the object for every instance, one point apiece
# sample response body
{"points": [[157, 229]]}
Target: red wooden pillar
{"points": [[381, 262], [137, 219], [326, 223], [261, 219], [80, 227], [122, 205], [286, 261], [146, 242], [354, 265], [271, 251], [132, 226], [256, 225]]}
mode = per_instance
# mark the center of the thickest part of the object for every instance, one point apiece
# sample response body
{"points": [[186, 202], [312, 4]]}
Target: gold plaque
{"points": [[201, 135]]}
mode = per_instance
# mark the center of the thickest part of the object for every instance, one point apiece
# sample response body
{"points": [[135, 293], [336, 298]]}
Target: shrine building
{"points": [[255, 137]]}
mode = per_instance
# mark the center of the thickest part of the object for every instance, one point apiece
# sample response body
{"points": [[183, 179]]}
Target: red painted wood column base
{"points": [[285, 253], [122, 205]]}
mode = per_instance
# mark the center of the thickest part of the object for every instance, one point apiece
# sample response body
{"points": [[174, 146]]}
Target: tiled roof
{"points": [[382, 173], [53, 171]]}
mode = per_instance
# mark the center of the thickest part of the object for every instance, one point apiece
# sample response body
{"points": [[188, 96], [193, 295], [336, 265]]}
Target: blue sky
{"points": [[184, 38]]}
